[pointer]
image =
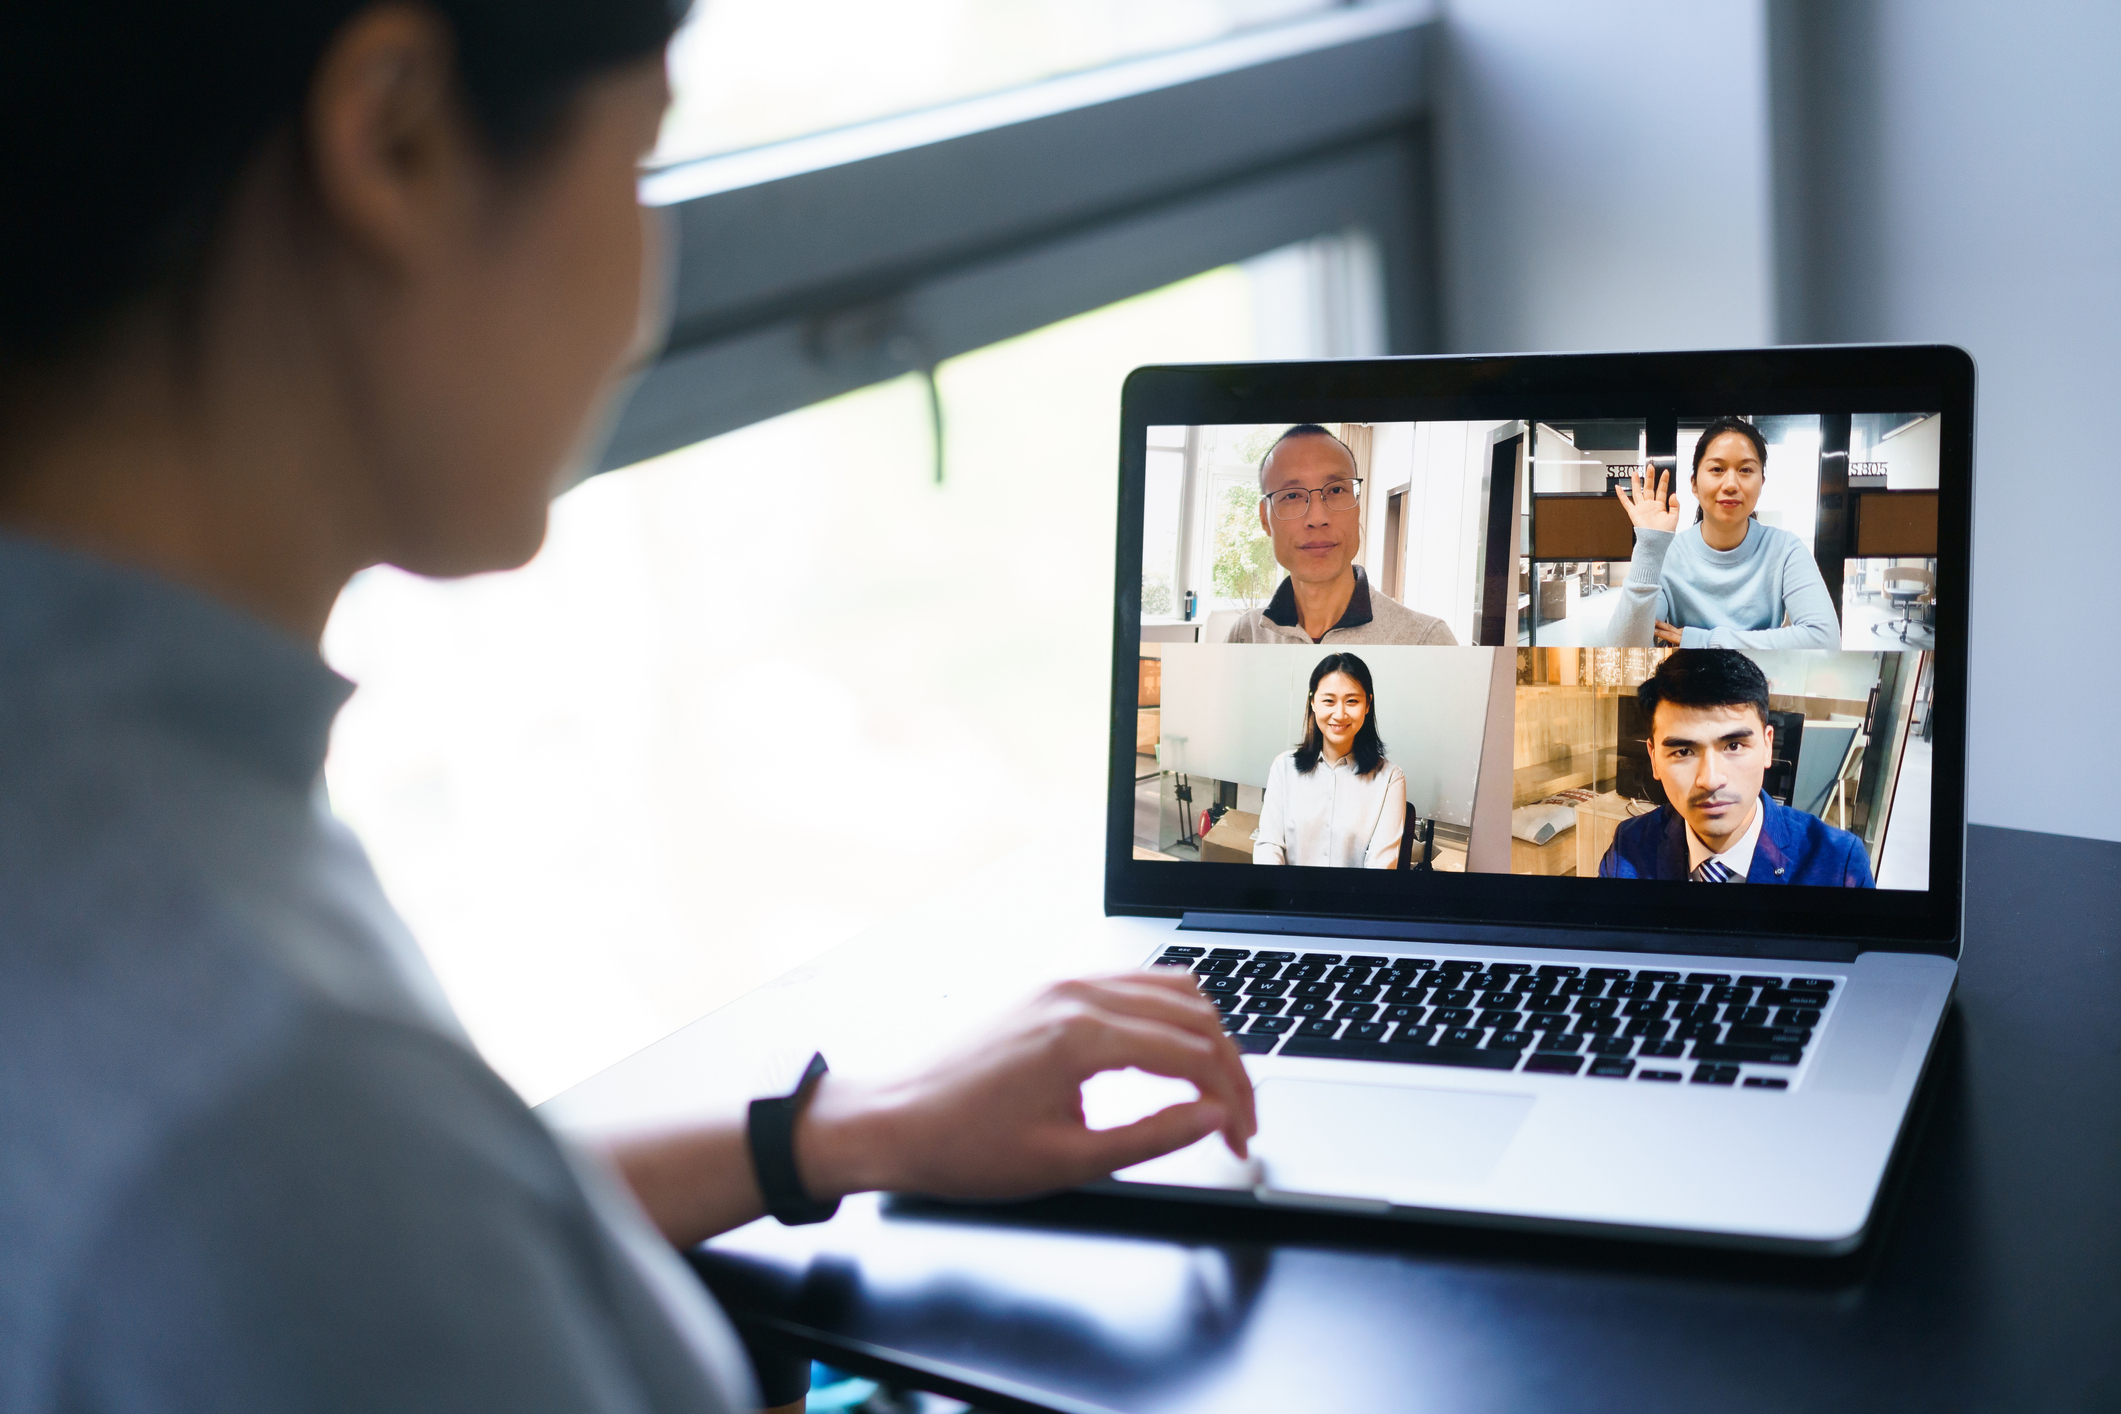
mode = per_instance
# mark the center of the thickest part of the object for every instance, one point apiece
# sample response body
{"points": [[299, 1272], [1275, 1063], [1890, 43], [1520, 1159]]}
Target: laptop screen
{"points": [[1557, 656]]}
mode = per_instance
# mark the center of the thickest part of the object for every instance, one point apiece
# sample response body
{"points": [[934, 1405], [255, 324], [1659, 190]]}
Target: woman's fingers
{"points": [[1109, 1150], [1110, 1041]]}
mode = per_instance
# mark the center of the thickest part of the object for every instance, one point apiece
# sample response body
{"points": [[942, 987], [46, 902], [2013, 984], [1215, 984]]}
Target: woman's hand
{"points": [[1667, 634], [1005, 1117], [1654, 509]]}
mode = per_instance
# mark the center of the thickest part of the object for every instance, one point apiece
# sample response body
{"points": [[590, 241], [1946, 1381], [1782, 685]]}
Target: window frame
{"points": [[814, 267]]}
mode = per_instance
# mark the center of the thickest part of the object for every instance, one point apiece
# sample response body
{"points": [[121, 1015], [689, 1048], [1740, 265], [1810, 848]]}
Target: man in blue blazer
{"points": [[1710, 746]]}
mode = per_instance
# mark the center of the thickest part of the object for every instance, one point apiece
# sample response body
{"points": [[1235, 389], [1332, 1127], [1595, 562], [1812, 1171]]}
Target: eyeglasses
{"points": [[1340, 497]]}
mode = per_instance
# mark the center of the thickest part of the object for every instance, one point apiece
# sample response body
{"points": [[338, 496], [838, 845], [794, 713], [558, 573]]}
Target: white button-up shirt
{"points": [[1331, 816], [1738, 858]]}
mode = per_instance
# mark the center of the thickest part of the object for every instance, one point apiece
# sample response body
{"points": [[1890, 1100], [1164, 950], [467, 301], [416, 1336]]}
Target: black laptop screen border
{"points": [[1556, 386]]}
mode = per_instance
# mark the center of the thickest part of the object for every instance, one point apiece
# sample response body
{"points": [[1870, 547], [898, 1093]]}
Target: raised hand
{"points": [[1653, 507], [1005, 1118]]}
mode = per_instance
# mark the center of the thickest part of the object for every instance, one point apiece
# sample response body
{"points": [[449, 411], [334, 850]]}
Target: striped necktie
{"points": [[1715, 871]]}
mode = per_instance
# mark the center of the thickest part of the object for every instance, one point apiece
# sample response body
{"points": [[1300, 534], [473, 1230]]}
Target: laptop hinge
{"points": [[1503, 935]]}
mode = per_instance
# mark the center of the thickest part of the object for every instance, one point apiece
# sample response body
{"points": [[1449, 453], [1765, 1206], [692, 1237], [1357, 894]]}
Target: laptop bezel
{"points": [[1631, 914]]}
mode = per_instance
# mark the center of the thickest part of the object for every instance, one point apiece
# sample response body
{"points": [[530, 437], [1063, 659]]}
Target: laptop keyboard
{"points": [[1652, 1024]]}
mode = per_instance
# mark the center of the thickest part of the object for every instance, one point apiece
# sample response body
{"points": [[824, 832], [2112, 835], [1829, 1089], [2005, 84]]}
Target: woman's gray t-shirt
{"points": [[247, 1159]]}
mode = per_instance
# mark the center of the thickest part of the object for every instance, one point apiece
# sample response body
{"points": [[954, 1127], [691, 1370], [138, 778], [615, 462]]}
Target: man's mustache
{"points": [[1714, 797]]}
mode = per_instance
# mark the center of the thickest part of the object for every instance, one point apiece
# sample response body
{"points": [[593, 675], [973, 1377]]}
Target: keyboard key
{"points": [[1510, 969], [1405, 1013], [1453, 996], [1451, 1015], [1222, 984], [1310, 1006], [1695, 1031], [1510, 1040], [1471, 1056], [1365, 1031], [1215, 966], [1267, 989], [1304, 971], [1648, 976], [1760, 981], [1318, 1026], [1610, 1046], [1407, 995], [1251, 1044], [1349, 974], [1264, 956], [1776, 996], [1225, 1001], [1811, 984], [1611, 1068], [1419, 964], [1639, 988], [1230, 952], [1319, 990], [1794, 1015], [1608, 974], [1233, 1019], [1459, 1036], [1679, 992], [1746, 1015], [1547, 1063], [1663, 1050], [1359, 992], [1740, 995], [1547, 1021], [1694, 1011], [1715, 1074], [1263, 1006], [1646, 1029], [1394, 976], [1657, 1075], [1259, 968], [1560, 972], [1766, 1082], [1580, 987], [1365, 961], [1798, 1036], [1500, 1020], [1709, 979], [1320, 959], [1271, 1025], [1644, 1011], [1354, 1011], [1560, 1044], [1597, 1025], [1178, 951], [1751, 1055], [1595, 1006]]}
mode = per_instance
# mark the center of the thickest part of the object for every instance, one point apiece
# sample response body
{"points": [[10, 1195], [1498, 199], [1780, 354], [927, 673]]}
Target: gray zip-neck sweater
{"points": [[1767, 593]]}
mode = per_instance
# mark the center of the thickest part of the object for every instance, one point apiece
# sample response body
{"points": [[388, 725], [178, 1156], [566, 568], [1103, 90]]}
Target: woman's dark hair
{"points": [[1716, 429], [1369, 750], [1705, 677], [129, 122]]}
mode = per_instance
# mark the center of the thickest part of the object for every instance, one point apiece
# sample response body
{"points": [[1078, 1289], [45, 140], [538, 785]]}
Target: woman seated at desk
{"points": [[1727, 581], [1335, 800]]}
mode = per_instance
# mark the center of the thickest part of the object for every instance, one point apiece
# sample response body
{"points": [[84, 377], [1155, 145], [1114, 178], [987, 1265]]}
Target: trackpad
{"points": [[1381, 1141]]}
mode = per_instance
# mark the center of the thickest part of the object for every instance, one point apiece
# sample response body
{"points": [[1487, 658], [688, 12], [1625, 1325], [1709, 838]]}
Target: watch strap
{"points": [[772, 1134]]}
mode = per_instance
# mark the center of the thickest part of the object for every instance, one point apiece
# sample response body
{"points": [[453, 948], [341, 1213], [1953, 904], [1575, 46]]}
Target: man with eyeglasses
{"points": [[1310, 504]]}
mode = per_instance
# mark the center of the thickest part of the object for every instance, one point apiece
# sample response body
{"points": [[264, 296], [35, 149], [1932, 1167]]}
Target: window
{"points": [[762, 691], [749, 72]]}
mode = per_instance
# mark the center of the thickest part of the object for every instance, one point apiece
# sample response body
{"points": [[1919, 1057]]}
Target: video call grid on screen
{"points": [[1507, 605]]}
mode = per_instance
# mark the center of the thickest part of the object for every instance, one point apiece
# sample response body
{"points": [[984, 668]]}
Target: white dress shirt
{"points": [[1332, 815], [1738, 858]]}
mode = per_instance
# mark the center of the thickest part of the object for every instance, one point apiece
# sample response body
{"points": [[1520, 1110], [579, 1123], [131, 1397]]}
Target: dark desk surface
{"points": [[1993, 1282]]}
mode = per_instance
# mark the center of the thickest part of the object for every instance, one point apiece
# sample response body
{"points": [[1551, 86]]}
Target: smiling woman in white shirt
{"points": [[1335, 800]]}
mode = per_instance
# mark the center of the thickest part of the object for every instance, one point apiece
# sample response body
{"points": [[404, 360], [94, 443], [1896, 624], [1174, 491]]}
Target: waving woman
{"points": [[1726, 581], [1335, 800]]}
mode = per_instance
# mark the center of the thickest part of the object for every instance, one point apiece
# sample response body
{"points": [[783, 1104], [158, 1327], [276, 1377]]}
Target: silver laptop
{"points": [[1553, 767]]}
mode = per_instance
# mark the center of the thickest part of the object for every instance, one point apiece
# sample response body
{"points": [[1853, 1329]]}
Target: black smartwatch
{"points": [[772, 1132]]}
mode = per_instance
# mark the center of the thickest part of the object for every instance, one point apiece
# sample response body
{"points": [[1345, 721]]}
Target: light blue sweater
{"points": [[1767, 593]]}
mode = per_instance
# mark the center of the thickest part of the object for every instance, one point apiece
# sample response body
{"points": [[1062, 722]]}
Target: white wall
{"points": [[1605, 175], [1230, 709], [1446, 520], [1953, 174]]}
